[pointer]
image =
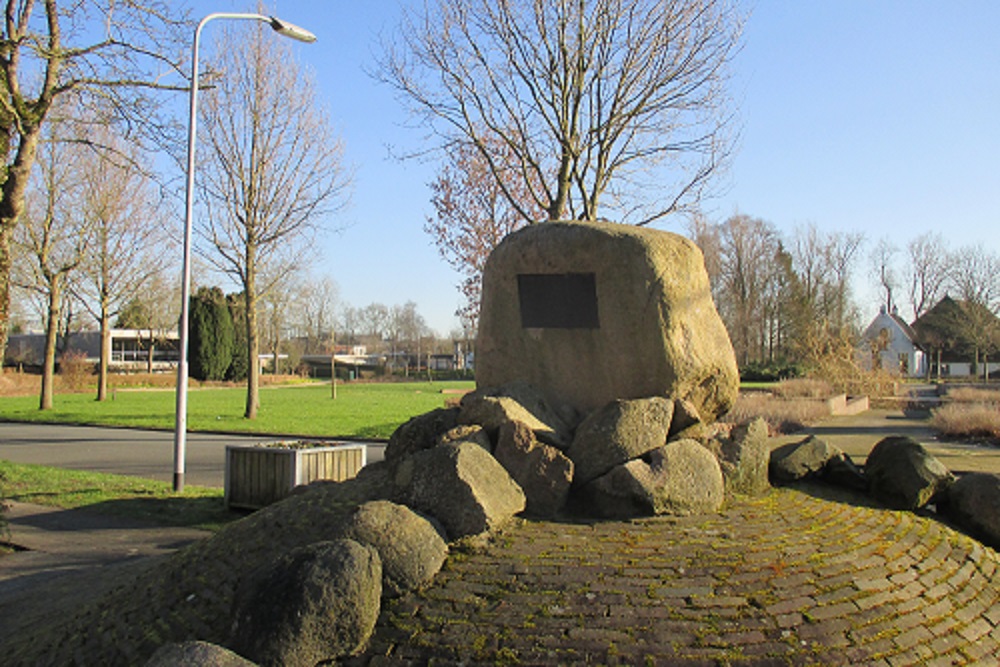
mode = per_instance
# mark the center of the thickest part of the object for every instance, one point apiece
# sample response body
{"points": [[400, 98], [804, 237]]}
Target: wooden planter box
{"points": [[258, 475]]}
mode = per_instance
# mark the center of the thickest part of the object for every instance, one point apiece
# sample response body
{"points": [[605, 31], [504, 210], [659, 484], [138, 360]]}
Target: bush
{"points": [[804, 388], [974, 395], [782, 415], [967, 420], [75, 370], [772, 371], [211, 333], [238, 367]]}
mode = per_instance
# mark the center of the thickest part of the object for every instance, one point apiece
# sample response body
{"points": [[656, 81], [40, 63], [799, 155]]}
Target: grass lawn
{"points": [[361, 410], [134, 497]]}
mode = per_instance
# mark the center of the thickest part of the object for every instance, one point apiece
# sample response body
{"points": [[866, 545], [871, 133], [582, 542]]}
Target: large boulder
{"points": [[687, 423], [744, 458], [492, 407], [317, 603], [904, 475], [617, 433], [589, 312], [473, 433], [542, 471], [681, 478], [196, 654], [974, 504], [799, 460], [462, 486], [419, 433], [409, 545]]}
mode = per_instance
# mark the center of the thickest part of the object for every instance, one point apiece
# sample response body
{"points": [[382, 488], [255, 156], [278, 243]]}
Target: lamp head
{"points": [[291, 30]]}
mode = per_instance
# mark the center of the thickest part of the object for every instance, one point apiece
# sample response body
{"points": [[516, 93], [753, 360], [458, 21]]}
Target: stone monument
{"points": [[593, 312]]}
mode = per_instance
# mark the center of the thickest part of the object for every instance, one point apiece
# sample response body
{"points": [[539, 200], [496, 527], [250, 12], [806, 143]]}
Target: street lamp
{"points": [[180, 427]]}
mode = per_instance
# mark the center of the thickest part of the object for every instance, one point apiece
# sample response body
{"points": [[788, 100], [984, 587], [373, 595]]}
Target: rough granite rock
{"points": [[316, 603], [491, 408], [843, 471], [542, 471], [799, 460], [410, 546], [473, 433], [974, 504], [462, 486], [681, 478], [196, 654], [619, 432], [624, 312], [904, 475], [419, 433], [744, 458], [686, 422]]}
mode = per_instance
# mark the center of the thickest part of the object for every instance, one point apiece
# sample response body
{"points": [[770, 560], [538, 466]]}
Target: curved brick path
{"points": [[790, 578]]}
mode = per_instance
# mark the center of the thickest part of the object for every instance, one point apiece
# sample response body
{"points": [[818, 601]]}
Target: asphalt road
{"points": [[147, 454]]}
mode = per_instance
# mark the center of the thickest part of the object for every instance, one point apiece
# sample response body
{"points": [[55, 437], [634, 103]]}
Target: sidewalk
{"points": [[857, 434], [71, 555]]}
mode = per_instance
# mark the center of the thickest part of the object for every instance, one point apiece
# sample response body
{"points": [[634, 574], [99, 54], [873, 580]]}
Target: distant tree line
{"points": [[787, 299]]}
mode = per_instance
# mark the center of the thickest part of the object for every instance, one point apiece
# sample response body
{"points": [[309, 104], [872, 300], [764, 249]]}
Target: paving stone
{"points": [[839, 610], [913, 637], [821, 583], [975, 630]]}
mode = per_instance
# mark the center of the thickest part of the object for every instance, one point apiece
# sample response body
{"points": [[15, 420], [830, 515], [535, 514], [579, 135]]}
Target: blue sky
{"points": [[859, 115]]}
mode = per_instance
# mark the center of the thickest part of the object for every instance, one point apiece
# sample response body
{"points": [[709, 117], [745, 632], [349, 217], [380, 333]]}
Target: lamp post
{"points": [[180, 424]]}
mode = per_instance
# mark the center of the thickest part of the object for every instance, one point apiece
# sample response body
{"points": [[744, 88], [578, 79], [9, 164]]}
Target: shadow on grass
{"points": [[376, 432], [205, 512], [208, 513]]}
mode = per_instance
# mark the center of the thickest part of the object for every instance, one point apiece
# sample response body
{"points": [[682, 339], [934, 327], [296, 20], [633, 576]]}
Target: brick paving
{"points": [[805, 576], [793, 578]]}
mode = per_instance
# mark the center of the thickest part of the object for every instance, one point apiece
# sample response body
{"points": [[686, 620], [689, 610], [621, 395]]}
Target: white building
{"points": [[131, 349], [890, 344]]}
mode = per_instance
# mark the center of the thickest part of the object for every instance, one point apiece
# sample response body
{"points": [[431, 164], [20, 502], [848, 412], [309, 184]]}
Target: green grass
{"points": [[360, 410], [133, 497]]}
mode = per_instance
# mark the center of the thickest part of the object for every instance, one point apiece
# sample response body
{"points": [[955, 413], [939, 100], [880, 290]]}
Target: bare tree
{"points": [[748, 247], [97, 49], [928, 269], [153, 312], [53, 242], [373, 322], [472, 215], [349, 323], [882, 267], [317, 306], [407, 326], [613, 105], [273, 170], [842, 253], [822, 264], [975, 276], [129, 243]]}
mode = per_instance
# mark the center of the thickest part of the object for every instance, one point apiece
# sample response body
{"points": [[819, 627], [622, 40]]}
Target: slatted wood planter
{"points": [[258, 475]]}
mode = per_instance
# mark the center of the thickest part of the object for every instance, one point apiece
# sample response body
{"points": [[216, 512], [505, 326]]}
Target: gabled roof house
{"points": [[889, 343]]}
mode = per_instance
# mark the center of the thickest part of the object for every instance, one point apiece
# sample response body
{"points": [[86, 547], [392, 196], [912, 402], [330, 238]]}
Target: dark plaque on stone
{"points": [[558, 300]]}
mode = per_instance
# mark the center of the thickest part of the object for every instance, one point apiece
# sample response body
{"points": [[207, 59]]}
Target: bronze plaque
{"points": [[558, 300]]}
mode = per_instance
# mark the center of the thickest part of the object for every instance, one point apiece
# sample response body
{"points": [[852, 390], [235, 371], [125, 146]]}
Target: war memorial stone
{"points": [[591, 312]]}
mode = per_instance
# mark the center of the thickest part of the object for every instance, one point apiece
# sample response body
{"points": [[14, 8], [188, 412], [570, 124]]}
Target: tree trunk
{"points": [[5, 267], [253, 344], [51, 334], [11, 207], [102, 370]]}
